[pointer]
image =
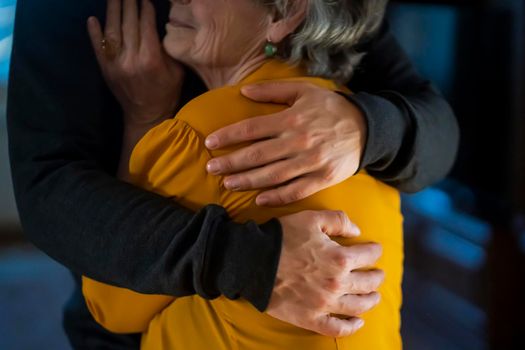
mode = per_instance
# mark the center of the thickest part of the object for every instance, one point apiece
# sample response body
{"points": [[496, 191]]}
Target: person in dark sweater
{"points": [[64, 149]]}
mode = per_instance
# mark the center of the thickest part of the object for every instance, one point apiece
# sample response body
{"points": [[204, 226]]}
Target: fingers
{"points": [[96, 36], [294, 191], [365, 282], [267, 176], [359, 256], [276, 92], [334, 327], [113, 29], [130, 25], [249, 157], [248, 130], [336, 223], [355, 305], [149, 38]]}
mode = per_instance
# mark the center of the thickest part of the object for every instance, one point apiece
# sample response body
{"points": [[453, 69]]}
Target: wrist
{"points": [[364, 129], [357, 127]]}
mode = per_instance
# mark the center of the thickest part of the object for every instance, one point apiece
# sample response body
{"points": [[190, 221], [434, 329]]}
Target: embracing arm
{"points": [[63, 144], [412, 135]]}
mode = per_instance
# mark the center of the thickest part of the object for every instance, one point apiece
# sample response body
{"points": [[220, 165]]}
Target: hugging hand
{"points": [[318, 279], [143, 78], [316, 143]]}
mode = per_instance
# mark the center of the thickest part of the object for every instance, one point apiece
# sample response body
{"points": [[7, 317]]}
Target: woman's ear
{"points": [[281, 27]]}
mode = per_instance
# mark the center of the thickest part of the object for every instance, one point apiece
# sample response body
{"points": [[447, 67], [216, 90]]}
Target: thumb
{"points": [[275, 92], [337, 223]]}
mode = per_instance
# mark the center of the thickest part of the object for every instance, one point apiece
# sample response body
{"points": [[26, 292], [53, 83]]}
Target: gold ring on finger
{"points": [[110, 48]]}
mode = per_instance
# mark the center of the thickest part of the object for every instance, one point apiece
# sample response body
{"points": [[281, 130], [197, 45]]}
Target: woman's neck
{"points": [[216, 77]]}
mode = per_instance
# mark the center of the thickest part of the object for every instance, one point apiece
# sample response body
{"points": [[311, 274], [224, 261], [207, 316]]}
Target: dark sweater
{"points": [[64, 140]]}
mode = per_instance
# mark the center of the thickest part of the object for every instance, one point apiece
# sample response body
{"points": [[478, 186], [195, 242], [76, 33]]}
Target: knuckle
{"points": [[294, 196], [320, 303], [308, 141], [111, 35], [316, 157], [313, 218], [280, 198], [274, 177], [243, 182], [329, 175], [128, 68], [248, 130], [352, 285], [342, 261], [332, 285], [254, 156], [290, 121], [297, 119], [226, 164], [341, 217]]}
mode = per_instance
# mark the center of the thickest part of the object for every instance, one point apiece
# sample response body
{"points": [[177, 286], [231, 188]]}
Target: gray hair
{"points": [[326, 41]]}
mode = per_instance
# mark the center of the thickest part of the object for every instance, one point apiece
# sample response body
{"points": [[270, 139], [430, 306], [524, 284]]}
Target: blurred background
{"points": [[465, 237]]}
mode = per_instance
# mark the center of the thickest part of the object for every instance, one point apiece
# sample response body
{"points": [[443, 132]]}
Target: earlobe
{"points": [[281, 27]]}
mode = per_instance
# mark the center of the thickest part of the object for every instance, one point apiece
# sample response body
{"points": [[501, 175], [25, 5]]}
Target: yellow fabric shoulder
{"points": [[170, 160]]}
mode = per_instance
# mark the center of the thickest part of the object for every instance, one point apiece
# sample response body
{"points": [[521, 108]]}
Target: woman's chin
{"points": [[175, 51]]}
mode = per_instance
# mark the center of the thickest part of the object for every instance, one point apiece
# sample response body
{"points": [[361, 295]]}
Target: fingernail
{"points": [[232, 184], [356, 229], [360, 323], [213, 167], [262, 201], [211, 142], [248, 88]]}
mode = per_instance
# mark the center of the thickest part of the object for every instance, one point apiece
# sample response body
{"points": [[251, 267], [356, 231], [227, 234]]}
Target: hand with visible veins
{"points": [[316, 143], [317, 277], [145, 80]]}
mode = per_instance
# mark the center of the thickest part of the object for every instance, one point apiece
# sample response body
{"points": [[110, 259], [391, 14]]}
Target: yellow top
{"points": [[171, 161]]}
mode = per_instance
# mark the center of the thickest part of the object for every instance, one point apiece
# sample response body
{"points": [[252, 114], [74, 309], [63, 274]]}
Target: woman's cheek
{"points": [[203, 48], [213, 46]]}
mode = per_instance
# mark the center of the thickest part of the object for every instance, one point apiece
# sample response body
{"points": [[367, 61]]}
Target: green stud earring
{"points": [[270, 50]]}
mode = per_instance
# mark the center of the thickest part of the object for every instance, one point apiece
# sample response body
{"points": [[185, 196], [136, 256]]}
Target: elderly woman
{"points": [[230, 44]]}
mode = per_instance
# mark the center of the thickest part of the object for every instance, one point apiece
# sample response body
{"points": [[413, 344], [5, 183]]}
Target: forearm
{"points": [[118, 234], [412, 140], [413, 134], [64, 143]]}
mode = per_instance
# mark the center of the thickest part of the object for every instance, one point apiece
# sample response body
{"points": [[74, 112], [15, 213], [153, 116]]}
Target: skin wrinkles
{"points": [[314, 273], [211, 48]]}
